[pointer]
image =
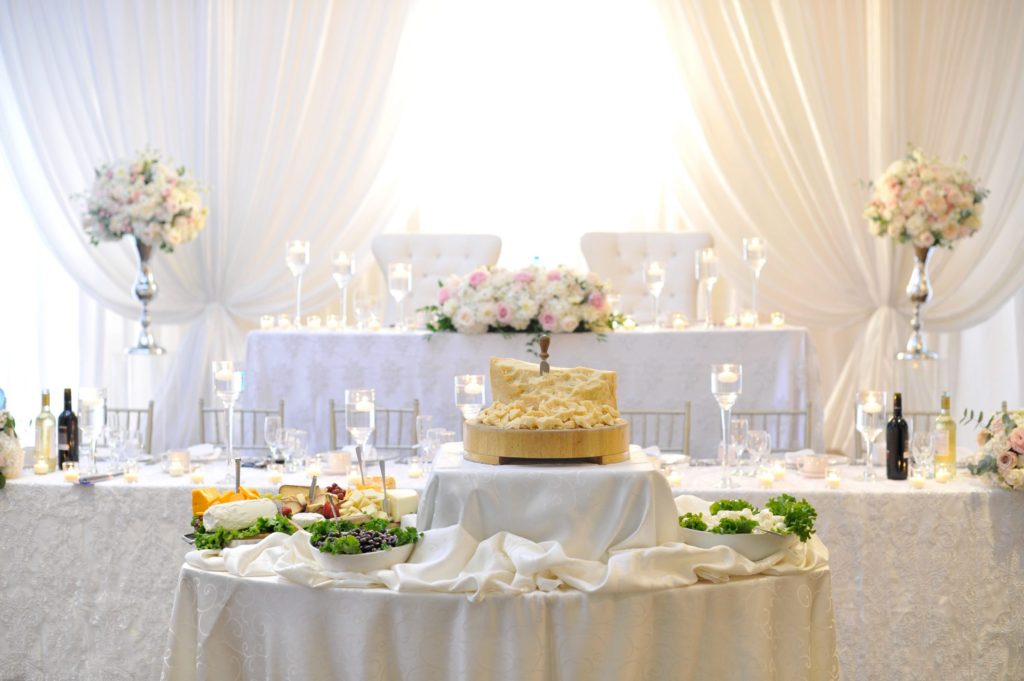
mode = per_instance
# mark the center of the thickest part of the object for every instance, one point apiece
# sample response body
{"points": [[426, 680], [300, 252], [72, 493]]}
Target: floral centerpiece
{"points": [[925, 202], [1000, 458], [531, 300], [146, 198], [922, 201], [12, 456]]}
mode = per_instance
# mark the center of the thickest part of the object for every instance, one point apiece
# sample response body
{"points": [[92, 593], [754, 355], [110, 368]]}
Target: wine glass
{"points": [[726, 386], [469, 394], [870, 422], [654, 280], [297, 258], [114, 435], [755, 254], [424, 423], [400, 286], [360, 416], [92, 416], [228, 383], [706, 271], [365, 305], [738, 430], [343, 268], [921, 452], [759, 442], [273, 434]]}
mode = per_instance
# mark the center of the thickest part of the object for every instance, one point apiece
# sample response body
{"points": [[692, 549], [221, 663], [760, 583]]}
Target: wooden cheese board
{"points": [[490, 445]]}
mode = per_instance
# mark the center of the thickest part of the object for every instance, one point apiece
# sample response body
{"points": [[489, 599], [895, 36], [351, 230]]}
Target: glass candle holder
{"points": [[333, 322], [266, 322], [469, 394], [197, 474], [748, 319], [131, 471], [313, 322], [284, 321], [275, 473], [679, 321], [778, 320], [71, 473]]}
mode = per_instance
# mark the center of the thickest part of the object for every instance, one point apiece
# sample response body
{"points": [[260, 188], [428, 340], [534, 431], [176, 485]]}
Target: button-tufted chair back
{"points": [[619, 257], [433, 256]]}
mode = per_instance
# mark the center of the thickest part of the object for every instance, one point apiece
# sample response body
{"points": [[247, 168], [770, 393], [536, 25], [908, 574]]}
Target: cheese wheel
{"points": [[238, 515]]}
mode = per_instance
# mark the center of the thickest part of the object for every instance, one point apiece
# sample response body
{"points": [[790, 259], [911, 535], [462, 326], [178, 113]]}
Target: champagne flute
{"points": [[360, 416], [273, 434], [92, 416], [400, 286], [870, 423], [228, 383], [343, 268], [297, 259], [706, 271], [755, 254], [726, 386], [654, 280], [469, 395]]}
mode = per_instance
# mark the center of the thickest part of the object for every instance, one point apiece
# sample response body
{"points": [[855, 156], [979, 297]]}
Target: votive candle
{"points": [[778, 320], [266, 322], [917, 481], [832, 480], [778, 470]]}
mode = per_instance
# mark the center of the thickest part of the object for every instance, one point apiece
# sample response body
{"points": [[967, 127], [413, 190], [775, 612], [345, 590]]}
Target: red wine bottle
{"points": [[897, 441], [67, 433]]}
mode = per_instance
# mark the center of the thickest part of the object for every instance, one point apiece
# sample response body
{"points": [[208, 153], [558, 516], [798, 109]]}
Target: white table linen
{"points": [[657, 370], [227, 627]]}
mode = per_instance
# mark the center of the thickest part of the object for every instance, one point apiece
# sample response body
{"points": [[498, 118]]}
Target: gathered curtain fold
{"points": [[798, 106], [284, 110]]}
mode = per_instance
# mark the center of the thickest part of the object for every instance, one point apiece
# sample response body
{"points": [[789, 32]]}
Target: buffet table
{"points": [[226, 627], [924, 582], [657, 370]]}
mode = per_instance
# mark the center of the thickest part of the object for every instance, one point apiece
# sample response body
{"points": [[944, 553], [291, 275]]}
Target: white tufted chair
{"points": [[433, 256], [619, 257]]}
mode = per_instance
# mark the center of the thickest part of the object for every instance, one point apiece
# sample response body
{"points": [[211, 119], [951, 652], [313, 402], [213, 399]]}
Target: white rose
{"points": [[569, 324], [924, 239], [916, 224]]}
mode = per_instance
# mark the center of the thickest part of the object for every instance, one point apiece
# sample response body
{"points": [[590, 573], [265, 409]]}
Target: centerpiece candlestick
{"points": [[297, 260], [344, 269], [726, 386], [654, 279], [706, 271], [360, 420], [755, 253]]}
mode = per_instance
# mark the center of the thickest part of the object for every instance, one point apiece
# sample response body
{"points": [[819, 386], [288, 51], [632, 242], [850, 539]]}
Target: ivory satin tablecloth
{"points": [[227, 627], [657, 370]]}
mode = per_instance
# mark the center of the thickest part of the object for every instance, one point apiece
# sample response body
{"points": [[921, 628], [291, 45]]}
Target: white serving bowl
{"points": [[363, 562], [753, 546]]}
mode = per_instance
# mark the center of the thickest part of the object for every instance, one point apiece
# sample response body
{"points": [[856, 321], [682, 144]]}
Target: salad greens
{"points": [[798, 517], [220, 537], [341, 536]]}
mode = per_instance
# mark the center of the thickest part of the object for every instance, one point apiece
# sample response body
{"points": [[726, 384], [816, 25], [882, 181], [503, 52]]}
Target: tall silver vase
{"points": [[145, 291], [919, 290]]}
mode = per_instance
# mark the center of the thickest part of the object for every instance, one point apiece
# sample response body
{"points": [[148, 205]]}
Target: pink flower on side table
{"points": [[1006, 461], [597, 300], [503, 313], [478, 277], [1017, 440], [524, 277], [548, 321], [554, 275]]}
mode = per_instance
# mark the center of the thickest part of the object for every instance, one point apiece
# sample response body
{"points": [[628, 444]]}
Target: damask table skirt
{"points": [[227, 627], [657, 370]]}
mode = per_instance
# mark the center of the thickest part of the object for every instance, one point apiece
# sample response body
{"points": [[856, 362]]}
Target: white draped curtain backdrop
{"points": [[333, 120], [282, 109]]}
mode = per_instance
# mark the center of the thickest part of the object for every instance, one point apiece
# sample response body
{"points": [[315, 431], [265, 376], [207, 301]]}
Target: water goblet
{"points": [[273, 434], [360, 415], [400, 286], [921, 453], [726, 386], [365, 303], [469, 394], [870, 423], [759, 442], [706, 271], [297, 259], [755, 254], [654, 280], [92, 416], [738, 431], [343, 268]]}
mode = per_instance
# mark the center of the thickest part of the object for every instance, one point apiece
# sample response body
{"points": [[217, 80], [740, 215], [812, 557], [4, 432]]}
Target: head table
{"points": [[924, 582], [657, 370]]}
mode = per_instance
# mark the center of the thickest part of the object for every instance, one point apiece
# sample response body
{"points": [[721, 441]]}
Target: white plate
{"points": [[754, 546], [363, 562]]}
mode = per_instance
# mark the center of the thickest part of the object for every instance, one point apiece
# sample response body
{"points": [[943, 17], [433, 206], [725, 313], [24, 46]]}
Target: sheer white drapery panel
{"points": [[281, 108], [798, 104]]}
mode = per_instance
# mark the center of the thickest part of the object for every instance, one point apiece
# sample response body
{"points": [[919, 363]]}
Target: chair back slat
{"points": [[249, 426], [395, 428], [669, 431], [791, 429], [140, 419]]}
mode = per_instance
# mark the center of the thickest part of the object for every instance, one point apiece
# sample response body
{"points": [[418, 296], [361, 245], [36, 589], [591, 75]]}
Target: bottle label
{"points": [[62, 439]]}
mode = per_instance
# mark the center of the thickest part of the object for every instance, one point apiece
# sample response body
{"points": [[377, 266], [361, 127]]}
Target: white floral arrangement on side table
{"points": [[1001, 457], [147, 198], [531, 300], [11, 454], [926, 202]]}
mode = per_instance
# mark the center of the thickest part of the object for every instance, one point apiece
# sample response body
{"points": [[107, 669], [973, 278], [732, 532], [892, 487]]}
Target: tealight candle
{"points": [[131, 471], [266, 322], [872, 407], [765, 477], [943, 475], [655, 269], [917, 481], [778, 471], [284, 321], [275, 477], [731, 321], [728, 376], [679, 322], [297, 248], [373, 324], [131, 476], [175, 469], [313, 321], [197, 475], [748, 319], [473, 388], [675, 480], [333, 322], [70, 471], [628, 324], [832, 480], [364, 405], [313, 469], [778, 320], [41, 467], [415, 471]]}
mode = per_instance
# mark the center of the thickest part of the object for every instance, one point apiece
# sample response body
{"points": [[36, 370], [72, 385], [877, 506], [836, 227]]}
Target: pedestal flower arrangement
{"points": [[12, 456]]}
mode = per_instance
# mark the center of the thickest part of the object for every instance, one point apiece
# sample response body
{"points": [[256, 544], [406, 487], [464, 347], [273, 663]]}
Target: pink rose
{"points": [[1017, 440], [548, 321], [597, 300], [554, 275], [503, 313], [443, 295], [478, 277], [524, 277], [1006, 461]]}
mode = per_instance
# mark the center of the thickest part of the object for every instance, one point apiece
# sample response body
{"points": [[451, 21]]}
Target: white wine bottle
{"points": [[945, 447], [46, 429]]}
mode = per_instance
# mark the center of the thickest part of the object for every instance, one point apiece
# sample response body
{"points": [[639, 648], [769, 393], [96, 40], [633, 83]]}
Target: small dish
{"points": [[363, 562], [755, 547]]}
